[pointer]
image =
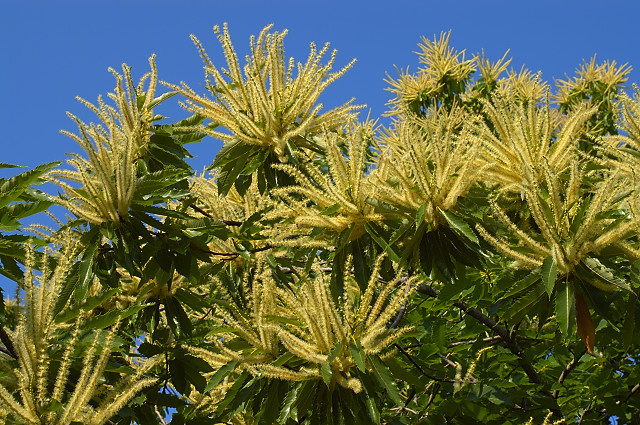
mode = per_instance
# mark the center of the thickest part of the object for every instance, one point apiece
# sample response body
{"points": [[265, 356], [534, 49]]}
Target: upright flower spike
{"points": [[107, 176], [344, 188], [519, 138], [263, 103], [308, 324], [44, 393], [444, 76], [429, 162]]}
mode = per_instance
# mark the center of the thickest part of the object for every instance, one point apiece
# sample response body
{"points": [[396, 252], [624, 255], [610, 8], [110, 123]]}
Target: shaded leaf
{"points": [[383, 375], [586, 330], [549, 274], [565, 308]]}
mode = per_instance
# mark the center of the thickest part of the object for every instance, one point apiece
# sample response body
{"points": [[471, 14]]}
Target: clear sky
{"points": [[52, 51]]}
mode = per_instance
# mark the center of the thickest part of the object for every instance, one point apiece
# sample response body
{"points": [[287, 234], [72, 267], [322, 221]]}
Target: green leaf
{"points": [[383, 375], [239, 382], [81, 274], [565, 308], [178, 378], [194, 369], [420, 215], [594, 272], [11, 189], [459, 225], [164, 96], [357, 355], [326, 371], [525, 304], [331, 210], [289, 400], [105, 320], [360, 268], [375, 232], [89, 304], [5, 165], [629, 324], [219, 375], [177, 318], [276, 392], [549, 274], [369, 401]]}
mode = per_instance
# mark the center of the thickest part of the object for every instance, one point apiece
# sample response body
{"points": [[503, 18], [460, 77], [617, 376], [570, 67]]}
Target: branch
{"points": [[491, 339], [231, 255], [632, 392], [509, 339], [402, 310], [206, 214], [403, 351], [570, 366], [155, 408]]}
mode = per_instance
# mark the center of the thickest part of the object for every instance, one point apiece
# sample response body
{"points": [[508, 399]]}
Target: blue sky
{"points": [[52, 51]]}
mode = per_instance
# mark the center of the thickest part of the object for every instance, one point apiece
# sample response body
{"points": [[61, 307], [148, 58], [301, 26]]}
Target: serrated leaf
{"points": [[105, 320], [598, 275], [525, 304], [81, 274], [629, 324], [89, 304], [460, 226], [5, 165], [549, 274], [289, 400], [565, 308], [357, 356], [383, 375]]}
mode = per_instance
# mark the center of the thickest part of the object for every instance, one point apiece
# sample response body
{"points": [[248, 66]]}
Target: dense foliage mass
{"points": [[475, 261]]}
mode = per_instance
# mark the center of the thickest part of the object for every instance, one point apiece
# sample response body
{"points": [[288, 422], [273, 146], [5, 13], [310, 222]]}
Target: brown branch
{"points": [[162, 421], [506, 336], [231, 255], [632, 392], [446, 360], [402, 310], [570, 366], [206, 214], [403, 351], [491, 339]]}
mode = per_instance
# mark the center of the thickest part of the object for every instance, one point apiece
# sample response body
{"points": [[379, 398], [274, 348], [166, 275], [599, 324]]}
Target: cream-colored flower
{"points": [[263, 103], [101, 187], [428, 162], [36, 337], [345, 187]]}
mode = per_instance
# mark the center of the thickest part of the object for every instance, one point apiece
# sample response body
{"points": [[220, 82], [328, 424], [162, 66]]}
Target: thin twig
{"points": [[492, 339], [570, 366], [509, 340], [632, 392], [403, 309], [206, 214], [403, 351], [155, 407]]}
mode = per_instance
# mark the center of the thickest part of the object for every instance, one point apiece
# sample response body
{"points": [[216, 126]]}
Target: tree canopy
{"points": [[475, 260]]}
